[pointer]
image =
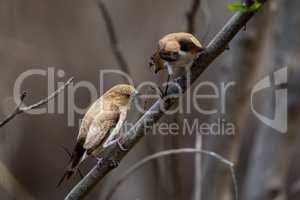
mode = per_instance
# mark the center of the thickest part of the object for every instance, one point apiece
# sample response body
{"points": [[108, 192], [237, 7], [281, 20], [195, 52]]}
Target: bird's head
{"points": [[121, 95], [175, 48]]}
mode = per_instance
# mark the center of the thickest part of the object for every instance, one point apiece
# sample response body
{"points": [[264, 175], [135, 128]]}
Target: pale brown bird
{"points": [[101, 125], [175, 50]]}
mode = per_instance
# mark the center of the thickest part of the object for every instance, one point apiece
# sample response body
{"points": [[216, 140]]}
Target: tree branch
{"points": [[19, 110], [113, 37], [147, 159], [145, 123], [15, 112]]}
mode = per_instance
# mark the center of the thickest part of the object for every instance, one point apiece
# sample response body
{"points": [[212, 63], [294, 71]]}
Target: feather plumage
{"points": [[101, 123], [175, 49]]}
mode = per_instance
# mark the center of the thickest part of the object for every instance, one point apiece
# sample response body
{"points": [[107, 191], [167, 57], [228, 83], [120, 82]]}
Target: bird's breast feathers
{"points": [[101, 124]]}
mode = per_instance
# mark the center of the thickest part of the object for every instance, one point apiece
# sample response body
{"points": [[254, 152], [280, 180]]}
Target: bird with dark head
{"points": [[175, 50], [101, 125]]}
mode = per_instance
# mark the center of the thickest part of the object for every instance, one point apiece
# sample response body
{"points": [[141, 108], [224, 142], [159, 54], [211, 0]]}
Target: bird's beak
{"points": [[199, 49], [135, 93], [133, 97]]}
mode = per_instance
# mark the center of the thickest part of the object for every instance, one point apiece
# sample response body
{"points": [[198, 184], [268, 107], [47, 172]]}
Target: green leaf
{"points": [[255, 7], [240, 7], [237, 7]]}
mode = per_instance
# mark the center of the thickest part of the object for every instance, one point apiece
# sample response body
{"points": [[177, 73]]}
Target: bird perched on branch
{"points": [[175, 50], [101, 125]]}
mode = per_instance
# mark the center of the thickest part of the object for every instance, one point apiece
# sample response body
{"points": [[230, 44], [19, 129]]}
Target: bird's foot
{"points": [[114, 163], [99, 161], [120, 143], [164, 93]]}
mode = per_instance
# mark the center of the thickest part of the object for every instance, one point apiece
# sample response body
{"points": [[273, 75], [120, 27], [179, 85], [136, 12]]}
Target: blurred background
{"points": [[72, 36]]}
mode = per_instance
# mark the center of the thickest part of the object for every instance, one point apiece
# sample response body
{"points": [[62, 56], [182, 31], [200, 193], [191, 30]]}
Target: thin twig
{"points": [[113, 37], [147, 159], [19, 110], [15, 112], [191, 16], [146, 122]]}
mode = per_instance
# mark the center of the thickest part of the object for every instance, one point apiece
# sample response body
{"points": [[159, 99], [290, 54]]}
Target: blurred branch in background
{"points": [[113, 37], [271, 152], [191, 16], [19, 110], [147, 159], [240, 67], [12, 185], [191, 28], [205, 27], [213, 50]]}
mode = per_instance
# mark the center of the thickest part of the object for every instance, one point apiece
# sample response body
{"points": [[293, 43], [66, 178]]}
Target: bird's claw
{"points": [[164, 93], [114, 163], [120, 144], [99, 161]]}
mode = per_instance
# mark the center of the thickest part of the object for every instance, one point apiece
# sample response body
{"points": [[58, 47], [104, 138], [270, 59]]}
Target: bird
{"points": [[175, 50], [101, 125]]}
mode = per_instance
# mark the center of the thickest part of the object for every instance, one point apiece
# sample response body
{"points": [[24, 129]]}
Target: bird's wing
{"points": [[100, 128]]}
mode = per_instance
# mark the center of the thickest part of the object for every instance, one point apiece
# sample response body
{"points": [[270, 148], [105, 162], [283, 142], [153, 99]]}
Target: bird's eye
{"points": [[186, 45], [126, 95], [123, 94]]}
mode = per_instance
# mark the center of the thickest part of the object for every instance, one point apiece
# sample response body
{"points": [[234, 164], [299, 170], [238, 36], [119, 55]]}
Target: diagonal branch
{"points": [[113, 37], [146, 122], [19, 110], [147, 159]]}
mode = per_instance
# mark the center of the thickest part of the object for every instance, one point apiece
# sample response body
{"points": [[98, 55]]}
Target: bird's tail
{"points": [[75, 159], [66, 176]]}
